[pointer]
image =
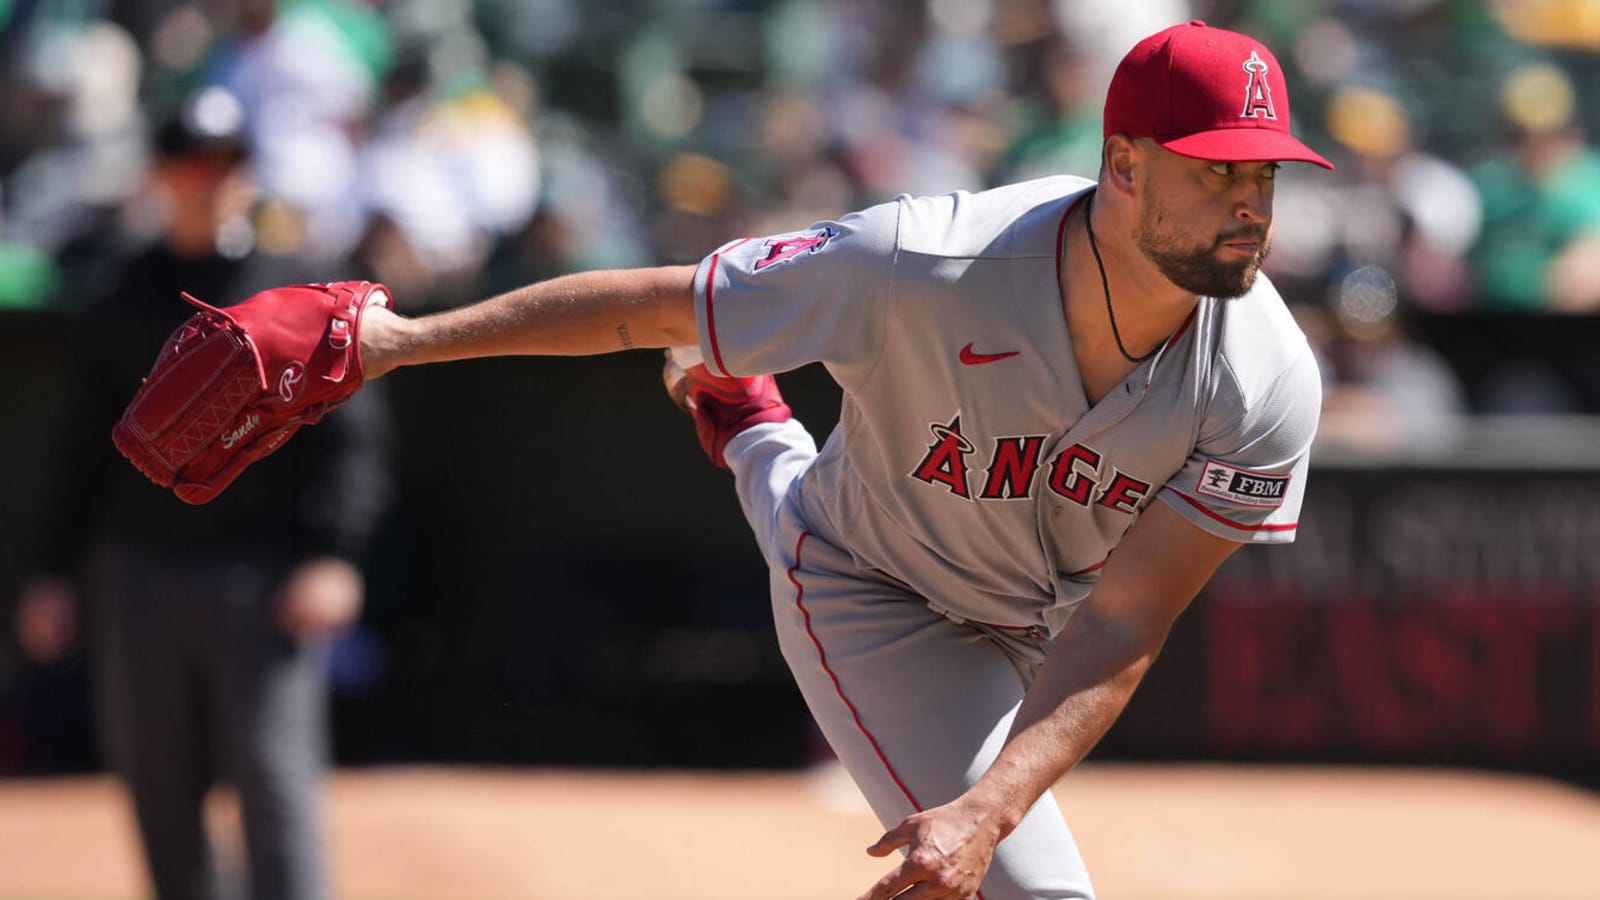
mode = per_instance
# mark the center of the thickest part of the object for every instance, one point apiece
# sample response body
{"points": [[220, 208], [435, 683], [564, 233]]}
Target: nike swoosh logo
{"points": [[977, 359]]}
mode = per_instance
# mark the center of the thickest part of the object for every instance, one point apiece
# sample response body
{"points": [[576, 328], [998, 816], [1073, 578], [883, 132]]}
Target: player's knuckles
{"points": [[948, 880], [937, 872], [926, 863]]}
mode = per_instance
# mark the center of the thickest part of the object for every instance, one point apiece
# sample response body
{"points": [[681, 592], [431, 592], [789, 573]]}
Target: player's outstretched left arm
{"points": [[574, 315], [230, 386], [1098, 660]]}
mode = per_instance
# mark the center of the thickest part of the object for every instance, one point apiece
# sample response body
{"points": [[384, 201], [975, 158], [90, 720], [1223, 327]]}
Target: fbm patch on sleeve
{"points": [[1243, 486]]}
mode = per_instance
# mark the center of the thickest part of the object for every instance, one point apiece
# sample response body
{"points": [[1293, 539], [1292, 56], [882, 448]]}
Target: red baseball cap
{"points": [[1208, 93]]}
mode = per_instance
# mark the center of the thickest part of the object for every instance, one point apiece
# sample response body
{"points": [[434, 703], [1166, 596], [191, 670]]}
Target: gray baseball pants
{"points": [[915, 705]]}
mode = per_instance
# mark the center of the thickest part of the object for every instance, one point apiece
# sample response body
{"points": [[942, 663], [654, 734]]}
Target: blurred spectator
{"points": [[1390, 204], [307, 72], [1062, 131], [1540, 244], [585, 220], [807, 179], [27, 275], [1383, 392], [450, 167], [900, 129], [1562, 23], [71, 153], [207, 627], [1105, 29]]}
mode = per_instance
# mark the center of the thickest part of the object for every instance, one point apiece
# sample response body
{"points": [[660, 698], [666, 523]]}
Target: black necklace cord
{"points": [[1105, 285]]}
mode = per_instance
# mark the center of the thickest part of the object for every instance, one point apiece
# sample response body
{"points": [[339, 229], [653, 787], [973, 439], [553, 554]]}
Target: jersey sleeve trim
{"points": [[711, 316], [1288, 526]]}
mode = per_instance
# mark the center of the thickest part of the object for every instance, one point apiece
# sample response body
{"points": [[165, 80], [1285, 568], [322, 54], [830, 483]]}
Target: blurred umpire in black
{"points": [[207, 628]]}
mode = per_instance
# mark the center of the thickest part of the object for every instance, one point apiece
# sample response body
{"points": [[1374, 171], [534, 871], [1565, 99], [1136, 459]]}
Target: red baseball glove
{"points": [[231, 385]]}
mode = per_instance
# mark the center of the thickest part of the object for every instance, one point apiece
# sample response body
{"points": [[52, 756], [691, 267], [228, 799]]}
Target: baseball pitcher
{"points": [[1066, 402]]}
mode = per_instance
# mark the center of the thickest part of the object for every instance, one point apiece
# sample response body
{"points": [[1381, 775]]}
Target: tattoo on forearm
{"points": [[627, 339]]}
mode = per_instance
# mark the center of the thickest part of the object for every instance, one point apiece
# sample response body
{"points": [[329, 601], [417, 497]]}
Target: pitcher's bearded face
{"points": [[1222, 265]]}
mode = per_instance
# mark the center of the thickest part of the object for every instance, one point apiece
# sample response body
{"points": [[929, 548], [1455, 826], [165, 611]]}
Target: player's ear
{"points": [[1121, 163]]}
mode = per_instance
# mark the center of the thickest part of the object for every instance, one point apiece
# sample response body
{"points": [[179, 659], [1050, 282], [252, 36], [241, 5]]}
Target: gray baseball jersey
{"points": [[968, 463]]}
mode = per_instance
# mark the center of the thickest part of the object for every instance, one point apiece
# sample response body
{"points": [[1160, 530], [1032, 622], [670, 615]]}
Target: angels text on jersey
{"points": [[1078, 473]]}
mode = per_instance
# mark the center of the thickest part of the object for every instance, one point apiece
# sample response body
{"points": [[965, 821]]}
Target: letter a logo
{"points": [[1257, 94], [946, 460]]}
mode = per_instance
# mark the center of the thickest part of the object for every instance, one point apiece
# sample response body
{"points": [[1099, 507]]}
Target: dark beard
{"points": [[1199, 271]]}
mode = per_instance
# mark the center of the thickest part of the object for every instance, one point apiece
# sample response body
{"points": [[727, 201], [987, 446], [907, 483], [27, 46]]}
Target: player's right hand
{"points": [[948, 851]]}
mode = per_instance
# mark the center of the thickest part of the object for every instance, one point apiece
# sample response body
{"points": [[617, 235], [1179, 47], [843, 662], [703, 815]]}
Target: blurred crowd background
{"points": [[455, 149]]}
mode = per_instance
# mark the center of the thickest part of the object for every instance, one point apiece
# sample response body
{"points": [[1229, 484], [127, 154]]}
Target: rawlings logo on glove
{"points": [[231, 385]]}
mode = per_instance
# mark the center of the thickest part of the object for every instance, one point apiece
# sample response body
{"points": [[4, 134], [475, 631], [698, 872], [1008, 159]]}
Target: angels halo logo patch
{"points": [[788, 248]]}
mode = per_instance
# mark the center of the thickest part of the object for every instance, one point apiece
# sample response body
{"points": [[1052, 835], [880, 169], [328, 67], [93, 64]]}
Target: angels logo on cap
{"points": [[1181, 88], [1257, 94]]}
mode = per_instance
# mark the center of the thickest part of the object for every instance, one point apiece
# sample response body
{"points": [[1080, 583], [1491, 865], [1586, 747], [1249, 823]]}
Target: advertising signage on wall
{"points": [[1422, 615]]}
